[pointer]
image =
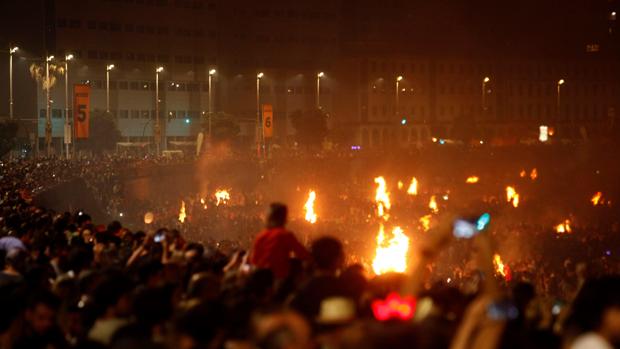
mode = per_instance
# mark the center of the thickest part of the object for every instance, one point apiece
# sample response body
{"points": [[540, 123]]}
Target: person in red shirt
{"points": [[274, 246]]}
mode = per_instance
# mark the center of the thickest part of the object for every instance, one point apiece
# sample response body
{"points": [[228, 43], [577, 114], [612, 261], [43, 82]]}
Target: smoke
{"points": [[37, 71]]}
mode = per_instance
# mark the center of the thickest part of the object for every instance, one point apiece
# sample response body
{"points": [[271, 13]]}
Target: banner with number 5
{"points": [[81, 110]]}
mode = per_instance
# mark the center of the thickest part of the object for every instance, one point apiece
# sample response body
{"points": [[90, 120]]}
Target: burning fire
{"points": [[182, 214], [512, 196], [425, 221], [382, 198], [400, 185], [522, 174], [564, 227], [203, 203], [534, 174], [222, 196], [391, 255], [596, 199], [472, 179], [413, 187], [309, 207], [432, 204], [500, 267]]}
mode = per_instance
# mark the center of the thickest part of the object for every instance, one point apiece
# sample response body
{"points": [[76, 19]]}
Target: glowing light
{"points": [[382, 198], [400, 185], [564, 227], [432, 204], [413, 187], [391, 254], [394, 307], [501, 268], [543, 133], [182, 214], [221, 196], [522, 174], [597, 199], [309, 207], [149, 217], [203, 202], [534, 174], [512, 196], [472, 179]]}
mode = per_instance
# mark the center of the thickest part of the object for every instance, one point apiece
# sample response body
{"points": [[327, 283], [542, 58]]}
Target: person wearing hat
{"points": [[273, 247]]}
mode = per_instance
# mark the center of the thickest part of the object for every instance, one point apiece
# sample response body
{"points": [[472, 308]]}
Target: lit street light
{"points": [[258, 132], [12, 50], [48, 117], [484, 92], [559, 96], [211, 73], [68, 132], [398, 80], [157, 128], [108, 68], [318, 89]]}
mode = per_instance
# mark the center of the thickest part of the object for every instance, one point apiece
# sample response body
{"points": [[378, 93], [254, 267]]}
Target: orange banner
{"points": [[81, 110], [267, 121]]}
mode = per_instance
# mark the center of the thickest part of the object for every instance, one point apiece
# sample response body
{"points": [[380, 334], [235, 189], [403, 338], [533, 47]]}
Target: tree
{"points": [[310, 126], [8, 136], [104, 133]]}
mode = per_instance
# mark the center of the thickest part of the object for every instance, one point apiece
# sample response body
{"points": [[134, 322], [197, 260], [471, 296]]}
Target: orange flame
{"points": [[500, 267], [534, 174], [382, 198], [309, 207], [391, 255], [182, 214], [472, 179], [512, 196], [413, 187], [597, 199], [564, 227], [425, 221], [400, 185], [203, 203], [222, 196], [432, 204]]}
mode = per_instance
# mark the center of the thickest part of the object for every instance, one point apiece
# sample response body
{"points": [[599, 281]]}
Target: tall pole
{"points": [[211, 72], [396, 108], [157, 129], [484, 92], [12, 50], [108, 68], [258, 133], [318, 89], [559, 96], [67, 127], [48, 117]]}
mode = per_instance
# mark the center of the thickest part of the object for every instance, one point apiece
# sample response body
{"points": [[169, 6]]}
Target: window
{"points": [[145, 114], [135, 114], [123, 114], [129, 28], [92, 54], [123, 85], [103, 26], [115, 27], [56, 113], [103, 55], [134, 85], [75, 24], [117, 56]]}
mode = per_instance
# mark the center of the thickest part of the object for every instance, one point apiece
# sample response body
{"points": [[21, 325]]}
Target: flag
{"points": [[81, 110]]}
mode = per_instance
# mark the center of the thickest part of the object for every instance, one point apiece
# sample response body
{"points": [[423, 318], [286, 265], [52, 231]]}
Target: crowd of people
{"points": [[233, 276]]}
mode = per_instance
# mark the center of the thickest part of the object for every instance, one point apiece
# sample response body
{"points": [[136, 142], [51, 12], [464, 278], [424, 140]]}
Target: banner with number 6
{"points": [[81, 110], [267, 121]]}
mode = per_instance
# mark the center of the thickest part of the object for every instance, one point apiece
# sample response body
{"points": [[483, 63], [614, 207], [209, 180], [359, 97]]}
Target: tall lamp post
{"points": [[485, 81], [67, 126], [318, 89], [398, 80], [48, 117], [258, 132], [211, 73], [157, 128], [108, 68], [559, 97], [12, 50]]}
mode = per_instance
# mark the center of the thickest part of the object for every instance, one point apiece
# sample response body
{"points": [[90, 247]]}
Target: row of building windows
{"points": [[188, 4], [264, 12], [139, 57], [133, 114], [576, 71], [134, 28]]}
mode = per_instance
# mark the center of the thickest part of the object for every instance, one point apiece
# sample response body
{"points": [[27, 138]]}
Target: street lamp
{"points": [[67, 126], [157, 129], [48, 117], [12, 50], [258, 132], [559, 96], [484, 92], [108, 68], [318, 89], [211, 73], [398, 80]]}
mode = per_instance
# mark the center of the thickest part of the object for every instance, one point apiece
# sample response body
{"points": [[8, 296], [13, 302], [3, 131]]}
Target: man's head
{"points": [[277, 216], [328, 254], [41, 311], [17, 260]]}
